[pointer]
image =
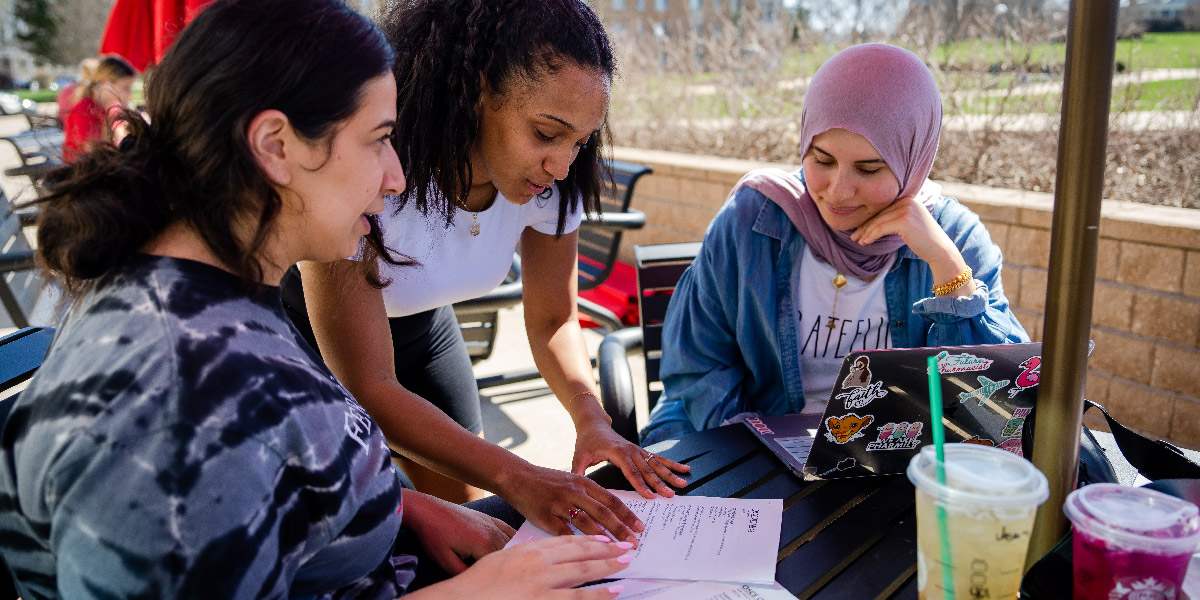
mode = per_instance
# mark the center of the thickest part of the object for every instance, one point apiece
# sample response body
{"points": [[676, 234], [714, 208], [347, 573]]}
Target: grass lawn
{"points": [[37, 95], [1161, 51], [1179, 50]]}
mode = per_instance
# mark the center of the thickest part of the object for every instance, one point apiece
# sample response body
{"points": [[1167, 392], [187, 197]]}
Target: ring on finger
{"points": [[648, 457], [571, 514]]}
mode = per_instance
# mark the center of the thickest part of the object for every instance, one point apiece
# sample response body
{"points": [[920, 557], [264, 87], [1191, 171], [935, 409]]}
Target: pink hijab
{"points": [[887, 95]]}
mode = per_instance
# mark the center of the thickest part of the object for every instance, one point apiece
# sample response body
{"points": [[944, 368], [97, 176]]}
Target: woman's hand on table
{"points": [[543, 569], [554, 500], [648, 473], [453, 534]]}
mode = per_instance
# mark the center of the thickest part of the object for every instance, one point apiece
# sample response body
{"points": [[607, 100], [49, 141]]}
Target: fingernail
{"points": [[601, 538], [624, 545], [625, 559], [639, 527], [616, 589]]}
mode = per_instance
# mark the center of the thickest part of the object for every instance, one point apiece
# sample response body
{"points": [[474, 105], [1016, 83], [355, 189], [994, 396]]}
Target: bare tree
{"points": [[81, 23]]}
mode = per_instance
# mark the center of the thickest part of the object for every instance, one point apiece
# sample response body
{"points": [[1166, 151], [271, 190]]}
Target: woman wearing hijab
{"points": [[857, 250]]}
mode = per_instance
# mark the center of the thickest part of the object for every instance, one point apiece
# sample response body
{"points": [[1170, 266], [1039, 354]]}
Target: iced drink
{"points": [[987, 503], [1130, 543]]}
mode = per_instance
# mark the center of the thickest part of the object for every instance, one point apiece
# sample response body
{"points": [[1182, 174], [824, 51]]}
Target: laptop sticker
{"points": [[897, 436], [981, 441], [847, 427], [843, 465], [860, 397], [961, 363], [1013, 445], [1029, 377], [1016, 423], [860, 374], [987, 387]]}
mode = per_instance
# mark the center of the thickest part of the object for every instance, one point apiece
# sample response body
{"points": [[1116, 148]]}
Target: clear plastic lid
{"points": [[1135, 517], [981, 475]]}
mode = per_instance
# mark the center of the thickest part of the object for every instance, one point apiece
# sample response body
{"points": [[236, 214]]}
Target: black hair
{"points": [[442, 48], [309, 59]]}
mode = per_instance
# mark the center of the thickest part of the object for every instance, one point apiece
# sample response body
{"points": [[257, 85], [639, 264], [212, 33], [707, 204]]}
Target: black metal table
{"points": [[852, 539]]}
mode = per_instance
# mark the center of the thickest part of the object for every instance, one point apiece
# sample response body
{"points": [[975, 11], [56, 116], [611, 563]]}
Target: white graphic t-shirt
{"points": [[859, 322]]}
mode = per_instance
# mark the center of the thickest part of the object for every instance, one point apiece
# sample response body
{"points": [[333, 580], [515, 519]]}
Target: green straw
{"points": [[939, 442]]}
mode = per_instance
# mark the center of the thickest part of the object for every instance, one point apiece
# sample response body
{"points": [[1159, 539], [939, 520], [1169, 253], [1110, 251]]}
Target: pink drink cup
{"points": [[1130, 543]]}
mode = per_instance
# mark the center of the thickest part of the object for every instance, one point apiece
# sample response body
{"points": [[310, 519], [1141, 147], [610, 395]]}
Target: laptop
{"points": [[878, 414]]}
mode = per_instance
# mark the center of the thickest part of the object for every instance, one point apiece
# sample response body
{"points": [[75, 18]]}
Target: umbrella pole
{"points": [[1075, 233]]}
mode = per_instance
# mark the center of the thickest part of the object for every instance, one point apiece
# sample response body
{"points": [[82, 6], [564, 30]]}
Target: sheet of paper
{"points": [[639, 589], [695, 538], [711, 590]]}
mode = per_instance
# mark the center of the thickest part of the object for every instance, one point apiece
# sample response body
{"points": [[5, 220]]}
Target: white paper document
{"points": [[662, 589], [640, 589], [695, 538], [711, 590]]}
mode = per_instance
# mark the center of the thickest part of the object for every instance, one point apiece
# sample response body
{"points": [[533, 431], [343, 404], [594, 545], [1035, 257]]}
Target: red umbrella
{"points": [[141, 31]]}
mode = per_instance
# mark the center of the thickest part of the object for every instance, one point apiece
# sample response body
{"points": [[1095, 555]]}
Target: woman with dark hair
{"points": [[501, 109], [181, 439], [98, 98]]}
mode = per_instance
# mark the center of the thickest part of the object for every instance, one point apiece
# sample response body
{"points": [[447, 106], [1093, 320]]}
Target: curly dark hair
{"points": [[310, 59], [443, 46]]}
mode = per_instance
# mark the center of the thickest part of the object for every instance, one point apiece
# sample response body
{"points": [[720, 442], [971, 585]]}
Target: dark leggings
{"points": [[430, 355]]}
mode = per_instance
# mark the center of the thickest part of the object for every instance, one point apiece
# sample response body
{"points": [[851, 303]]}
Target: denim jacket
{"points": [[729, 339]]}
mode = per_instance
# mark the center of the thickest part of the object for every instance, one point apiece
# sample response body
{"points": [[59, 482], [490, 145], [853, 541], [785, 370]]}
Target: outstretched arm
{"points": [[350, 323], [550, 288]]}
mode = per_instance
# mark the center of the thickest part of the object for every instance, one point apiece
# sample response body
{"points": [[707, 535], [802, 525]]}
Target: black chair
{"points": [[477, 317], [40, 151], [21, 353], [20, 284], [659, 268], [599, 243]]}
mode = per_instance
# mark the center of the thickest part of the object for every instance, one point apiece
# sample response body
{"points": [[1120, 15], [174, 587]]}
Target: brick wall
{"points": [[1146, 309]]}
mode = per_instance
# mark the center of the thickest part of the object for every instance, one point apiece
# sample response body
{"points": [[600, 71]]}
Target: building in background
{"points": [[16, 64]]}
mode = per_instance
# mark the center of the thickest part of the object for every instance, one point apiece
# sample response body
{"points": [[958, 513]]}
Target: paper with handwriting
{"points": [[696, 538]]}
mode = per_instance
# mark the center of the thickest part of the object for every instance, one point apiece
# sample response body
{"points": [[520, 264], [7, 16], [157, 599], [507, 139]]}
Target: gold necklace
{"points": [[474, 224], [474, 216], [838, 282]]}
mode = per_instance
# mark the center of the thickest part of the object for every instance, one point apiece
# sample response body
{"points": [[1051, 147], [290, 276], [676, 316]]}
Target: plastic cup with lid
{"points": [[988, 501], [1130, 542]]}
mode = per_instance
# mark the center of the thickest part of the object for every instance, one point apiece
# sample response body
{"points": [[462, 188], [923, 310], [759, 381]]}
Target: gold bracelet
{"points": [[957, 282], [584, 393]]}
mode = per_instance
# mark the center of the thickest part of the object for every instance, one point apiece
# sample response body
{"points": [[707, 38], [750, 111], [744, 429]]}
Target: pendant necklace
{"points": [[474, 224], [474, 231], [839, 282]]}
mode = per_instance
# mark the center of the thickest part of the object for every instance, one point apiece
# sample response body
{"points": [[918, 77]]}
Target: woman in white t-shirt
{"points": [[501, 107]]}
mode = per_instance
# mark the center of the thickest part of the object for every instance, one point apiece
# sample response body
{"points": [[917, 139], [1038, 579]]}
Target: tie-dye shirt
{"points": [[181, 440]]}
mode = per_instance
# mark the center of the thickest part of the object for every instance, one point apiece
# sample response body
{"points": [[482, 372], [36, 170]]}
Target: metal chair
{"points": [[20, 284], [659, 268], [21, 353]]}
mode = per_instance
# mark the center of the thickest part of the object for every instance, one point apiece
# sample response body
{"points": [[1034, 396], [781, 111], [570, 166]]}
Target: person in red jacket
{"points": [[66, 96], [97, 99]]}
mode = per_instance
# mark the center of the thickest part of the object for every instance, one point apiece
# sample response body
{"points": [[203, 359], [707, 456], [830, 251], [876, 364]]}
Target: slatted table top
{"points": [[851, 539]]}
